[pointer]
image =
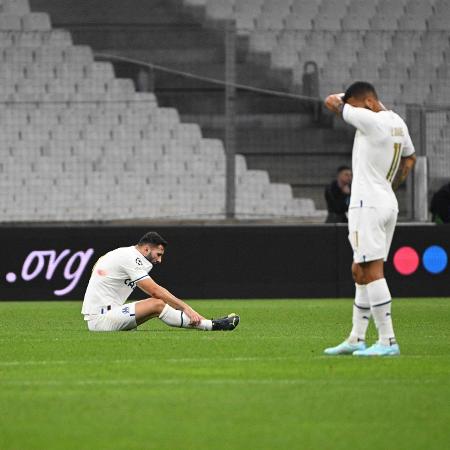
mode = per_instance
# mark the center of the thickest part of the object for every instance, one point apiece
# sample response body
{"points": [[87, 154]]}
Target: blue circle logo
{"points": [[435, 259]]}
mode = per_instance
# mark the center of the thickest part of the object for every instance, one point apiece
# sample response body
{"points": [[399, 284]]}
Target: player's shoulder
{"points": [[394, 122], [121, 254], [135, 258]]}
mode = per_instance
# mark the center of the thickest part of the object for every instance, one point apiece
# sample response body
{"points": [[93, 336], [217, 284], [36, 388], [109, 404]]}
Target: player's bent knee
{"points": [[159, 304], [146, 309]]}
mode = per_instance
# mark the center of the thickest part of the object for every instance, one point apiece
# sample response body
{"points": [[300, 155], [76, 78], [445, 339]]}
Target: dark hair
{"points": [[341, 168], [359, 89], [152, 238]]}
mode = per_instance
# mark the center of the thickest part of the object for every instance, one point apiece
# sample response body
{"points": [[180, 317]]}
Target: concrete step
{"points": [[133, 12]]}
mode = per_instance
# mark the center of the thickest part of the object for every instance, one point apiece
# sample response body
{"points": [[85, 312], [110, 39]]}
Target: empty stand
{"points": [[84, 145]]}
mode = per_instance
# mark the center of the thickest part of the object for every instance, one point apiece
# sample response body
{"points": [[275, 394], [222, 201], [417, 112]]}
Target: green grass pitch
{"points": [[264, 386]]}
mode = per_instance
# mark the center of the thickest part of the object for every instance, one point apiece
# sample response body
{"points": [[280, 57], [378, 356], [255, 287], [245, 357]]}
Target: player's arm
{"points": [[361, 118], [152, 288], [406, 165]]}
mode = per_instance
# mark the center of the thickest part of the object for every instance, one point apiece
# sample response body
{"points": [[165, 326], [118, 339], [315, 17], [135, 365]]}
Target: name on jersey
{"points": [[397, 132]]}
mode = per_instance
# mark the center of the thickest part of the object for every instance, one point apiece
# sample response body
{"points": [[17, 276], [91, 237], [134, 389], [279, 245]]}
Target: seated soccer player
{"points": [[116, 275]]}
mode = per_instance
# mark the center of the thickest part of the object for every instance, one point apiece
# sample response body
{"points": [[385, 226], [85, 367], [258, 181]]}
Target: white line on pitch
{"points": [[211, 381], [128, 361]]}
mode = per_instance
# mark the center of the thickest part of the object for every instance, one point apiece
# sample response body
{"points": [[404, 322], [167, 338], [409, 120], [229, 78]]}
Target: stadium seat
{"points": [[295, 22], [6, 39], [245, 24], [272, 20], [284, 57], [412, 93], [49, 55], [419, 8], [276, 5], [389, 7], [292, 39], [354, 22], [10, 22], [27, 39], [335, 72], [18, 55], [439, 22], [246, 11], [327, 23], [78, 54], [220, 9], [388, 89], [119, 89], [362, 8], [376, 40], [412, 23], [404, 57], [15, 7], [440, 94], [443, 71], [441, 7], [263, 41], [384, 23], [398, 72], [66, 71], [305, 7], [56, 38], [431, 58], [333, 7], [187, 133], [36, 22]]}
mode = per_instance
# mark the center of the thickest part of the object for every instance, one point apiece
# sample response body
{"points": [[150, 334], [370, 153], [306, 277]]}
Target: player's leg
{"points": [[117, 318], [153, 307], [361, 305], [360, 318], [380, 297]]}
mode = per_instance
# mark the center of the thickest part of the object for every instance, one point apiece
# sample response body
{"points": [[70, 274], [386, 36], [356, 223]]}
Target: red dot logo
{"points": [[406, 260]]}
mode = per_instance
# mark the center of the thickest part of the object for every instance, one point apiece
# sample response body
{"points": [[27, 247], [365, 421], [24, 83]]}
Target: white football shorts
{"points": [[118, 318], [370, 232]]}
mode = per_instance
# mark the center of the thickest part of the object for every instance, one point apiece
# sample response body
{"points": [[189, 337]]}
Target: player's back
{"points": [[381, 140]]}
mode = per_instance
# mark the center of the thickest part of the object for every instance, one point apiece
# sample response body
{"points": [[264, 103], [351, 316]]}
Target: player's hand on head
{"points": [[334, 103]]}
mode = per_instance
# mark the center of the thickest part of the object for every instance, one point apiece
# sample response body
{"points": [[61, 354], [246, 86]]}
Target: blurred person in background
{"points": [[337, 195], [440, 205]]}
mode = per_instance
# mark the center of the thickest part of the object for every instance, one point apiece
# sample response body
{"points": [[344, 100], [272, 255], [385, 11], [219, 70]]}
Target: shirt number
{"points": [[394, 163]]}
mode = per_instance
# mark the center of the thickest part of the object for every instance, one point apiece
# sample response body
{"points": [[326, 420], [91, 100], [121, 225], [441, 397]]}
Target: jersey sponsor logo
{"points": [[139, 262], [130, 283]]}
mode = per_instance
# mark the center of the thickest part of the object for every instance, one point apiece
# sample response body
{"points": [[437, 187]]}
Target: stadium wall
{"points": [[54, 263]]}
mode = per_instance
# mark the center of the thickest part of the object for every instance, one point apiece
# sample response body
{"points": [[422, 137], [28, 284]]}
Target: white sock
{"points": [[380, 305], [361, 315], [175, 318]]}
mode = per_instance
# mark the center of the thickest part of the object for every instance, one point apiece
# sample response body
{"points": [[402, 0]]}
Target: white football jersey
{"points": [[114, 278], [381, 140]]}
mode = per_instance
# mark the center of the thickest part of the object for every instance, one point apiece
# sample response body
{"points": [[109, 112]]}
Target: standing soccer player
{"points": [[118, 273], [382, 157]]}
